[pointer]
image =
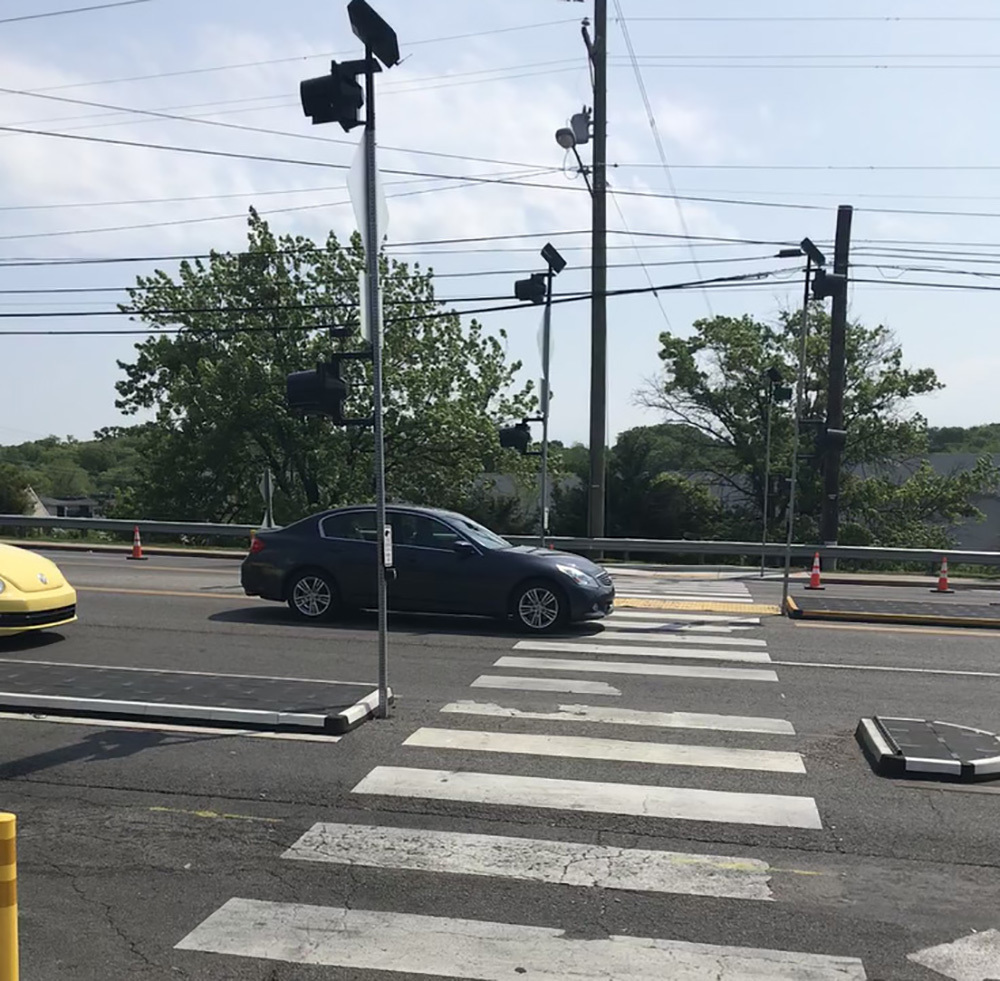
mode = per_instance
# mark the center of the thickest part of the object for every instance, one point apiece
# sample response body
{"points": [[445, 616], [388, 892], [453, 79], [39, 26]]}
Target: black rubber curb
{"points": [[257, 720], [889, 761]]}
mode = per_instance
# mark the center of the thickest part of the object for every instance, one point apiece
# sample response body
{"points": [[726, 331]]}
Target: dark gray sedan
{"points": [[444, 563]]}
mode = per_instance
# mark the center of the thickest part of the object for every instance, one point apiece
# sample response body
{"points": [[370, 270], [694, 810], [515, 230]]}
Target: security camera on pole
{"points": [[338, 97]]}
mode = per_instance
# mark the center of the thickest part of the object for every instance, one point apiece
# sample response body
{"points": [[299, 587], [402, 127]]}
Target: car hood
{"points": [[563, 558], [24, 570]]}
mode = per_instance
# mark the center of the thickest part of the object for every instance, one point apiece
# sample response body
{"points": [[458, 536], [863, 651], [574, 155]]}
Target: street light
{"points": [[571, 137], [813, 258]]}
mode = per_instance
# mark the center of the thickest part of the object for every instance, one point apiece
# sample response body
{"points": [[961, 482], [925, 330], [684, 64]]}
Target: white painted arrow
{"points": [[972, 958]]}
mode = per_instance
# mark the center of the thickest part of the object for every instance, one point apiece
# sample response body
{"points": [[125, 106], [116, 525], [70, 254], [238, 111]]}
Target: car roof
{"points": [[414, 508]]}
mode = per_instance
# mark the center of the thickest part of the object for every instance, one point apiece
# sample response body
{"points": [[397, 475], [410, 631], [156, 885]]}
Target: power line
{"points": [[817, 20], [72, 10], [623, 24]]}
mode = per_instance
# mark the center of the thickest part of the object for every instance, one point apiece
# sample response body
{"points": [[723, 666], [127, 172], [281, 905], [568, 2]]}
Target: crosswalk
{"points": [[632, 584], [629, 748]]}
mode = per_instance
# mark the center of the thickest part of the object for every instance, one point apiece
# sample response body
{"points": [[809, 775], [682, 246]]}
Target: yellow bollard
{"points": [[8, 897]]}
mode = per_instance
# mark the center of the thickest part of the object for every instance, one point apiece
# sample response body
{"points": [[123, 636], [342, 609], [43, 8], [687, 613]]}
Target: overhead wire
{"points": [[72, 10]]}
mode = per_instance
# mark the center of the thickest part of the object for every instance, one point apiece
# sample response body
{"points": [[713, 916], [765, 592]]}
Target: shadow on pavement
{"points": [[105, 745], [411, 623], [33, 641]]}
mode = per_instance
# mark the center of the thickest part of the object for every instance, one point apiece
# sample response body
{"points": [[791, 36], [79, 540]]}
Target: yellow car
{"points": [[34, 594]]}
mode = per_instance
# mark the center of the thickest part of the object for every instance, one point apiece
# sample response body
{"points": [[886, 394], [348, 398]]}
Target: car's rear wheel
{"points": [[313, 595], [539, 606]]}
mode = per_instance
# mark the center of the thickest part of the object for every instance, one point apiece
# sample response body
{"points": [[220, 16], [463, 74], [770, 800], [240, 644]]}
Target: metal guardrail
{"points": [[608, 545]]}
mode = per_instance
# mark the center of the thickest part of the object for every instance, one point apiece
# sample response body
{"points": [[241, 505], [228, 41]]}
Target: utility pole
{"points": [[598, 50], [830, 520]]}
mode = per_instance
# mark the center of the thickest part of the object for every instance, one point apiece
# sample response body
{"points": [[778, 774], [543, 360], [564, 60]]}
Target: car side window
{"points": [[421, 531], [352, 526]]}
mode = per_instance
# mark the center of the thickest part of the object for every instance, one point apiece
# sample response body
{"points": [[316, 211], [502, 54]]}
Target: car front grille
{"points": [[604, 579], [37, 618]]}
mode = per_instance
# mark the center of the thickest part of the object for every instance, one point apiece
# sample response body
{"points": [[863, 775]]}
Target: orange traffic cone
{"points": [[814, 582], [136, 546], [942, 586]]}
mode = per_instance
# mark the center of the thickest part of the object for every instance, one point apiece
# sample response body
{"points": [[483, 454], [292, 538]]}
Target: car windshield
{"points": [[479, 534]]}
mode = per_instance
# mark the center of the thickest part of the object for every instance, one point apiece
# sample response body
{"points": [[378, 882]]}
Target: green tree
{"points": [[714, 381], [957, 439], [13, 490], [216, 387]]}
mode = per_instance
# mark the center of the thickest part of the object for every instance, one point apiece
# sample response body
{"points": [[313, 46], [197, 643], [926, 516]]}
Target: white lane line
{"points": [[677, 637], [628, 717], [482, 950], [631, 667], [694, 617], [567, 685], [613, 750], [685, 597], [677, 803], [660, 629], [631, 650], [534, 860], [883, 667]]}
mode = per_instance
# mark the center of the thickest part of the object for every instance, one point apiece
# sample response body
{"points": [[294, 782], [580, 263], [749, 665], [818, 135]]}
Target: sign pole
{"points": [[371, 300]]}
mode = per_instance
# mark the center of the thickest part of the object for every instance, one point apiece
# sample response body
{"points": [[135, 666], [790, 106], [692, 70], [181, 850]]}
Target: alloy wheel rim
{"points": [[312, 596], [538, 608]]}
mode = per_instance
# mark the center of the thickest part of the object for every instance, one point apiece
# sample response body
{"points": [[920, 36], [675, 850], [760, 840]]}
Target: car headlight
{"points": [[577, 575], [3, 585]]}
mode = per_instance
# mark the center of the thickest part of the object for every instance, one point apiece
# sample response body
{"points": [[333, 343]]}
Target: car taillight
{"points": [[256, 546]]}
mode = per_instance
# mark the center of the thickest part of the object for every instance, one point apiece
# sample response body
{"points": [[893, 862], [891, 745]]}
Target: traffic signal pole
{"points": [[830, 520], [546, 352], [375, 321], [599, 279]]}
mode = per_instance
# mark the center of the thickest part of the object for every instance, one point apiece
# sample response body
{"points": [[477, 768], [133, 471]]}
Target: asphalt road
{"points": [[133, 841]]}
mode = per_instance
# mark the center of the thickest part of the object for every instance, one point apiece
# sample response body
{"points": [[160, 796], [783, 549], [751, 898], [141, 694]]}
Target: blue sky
{"points": [[888, 106]]}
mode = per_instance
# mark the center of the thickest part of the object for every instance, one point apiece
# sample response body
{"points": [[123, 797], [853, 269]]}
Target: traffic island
{"points": [[919, 748], [902, 612], [247, 702]]}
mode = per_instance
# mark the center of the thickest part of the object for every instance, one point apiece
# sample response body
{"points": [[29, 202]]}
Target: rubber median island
{"points": [[185, 698], [901, 611]]}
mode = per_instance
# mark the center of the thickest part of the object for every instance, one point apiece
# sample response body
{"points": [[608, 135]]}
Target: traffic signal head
{"points": [[834, 439], [334, 98], [516, 438], [322, 391], [826, 284], [531, 290]]}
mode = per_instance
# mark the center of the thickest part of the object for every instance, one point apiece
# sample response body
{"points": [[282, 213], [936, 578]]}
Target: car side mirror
{"points": [[463, 548]]}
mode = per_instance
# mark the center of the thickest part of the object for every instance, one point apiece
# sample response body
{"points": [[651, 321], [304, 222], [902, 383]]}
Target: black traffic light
{"points": [[531, 290], [322, 392], [516, 438], [834, 438], [335, 98], [826, 284]]}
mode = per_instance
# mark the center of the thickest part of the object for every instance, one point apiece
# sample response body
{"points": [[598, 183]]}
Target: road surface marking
{"points": [[612, 750], [630, 667], [534, 860], [656, 630], [646, 603], [197, 674], [683, 597], [620, 616], [677, 637], [898, 628], [972, 958], [676, 803], [629, 717], [481, 950], [215, 815], [567, 685], [633, 650], [187, 594], [882, 667], [95, 723]]}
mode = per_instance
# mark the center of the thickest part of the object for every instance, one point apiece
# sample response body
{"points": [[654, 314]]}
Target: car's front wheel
{"points": [[539, 607], [312, 595]]}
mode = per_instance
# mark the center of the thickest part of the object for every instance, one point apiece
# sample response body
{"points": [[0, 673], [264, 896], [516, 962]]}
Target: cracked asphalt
{"points": [[130, 838]]}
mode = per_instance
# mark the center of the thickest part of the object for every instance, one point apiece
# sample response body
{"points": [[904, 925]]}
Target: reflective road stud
{"points": [[8, 898]]}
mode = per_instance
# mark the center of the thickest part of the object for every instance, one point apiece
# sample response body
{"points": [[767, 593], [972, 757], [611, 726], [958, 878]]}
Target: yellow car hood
{"points": [[28, 572]]}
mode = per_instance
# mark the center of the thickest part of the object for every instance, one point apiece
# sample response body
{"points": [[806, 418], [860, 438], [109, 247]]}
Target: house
{"points": [[64, 507]]}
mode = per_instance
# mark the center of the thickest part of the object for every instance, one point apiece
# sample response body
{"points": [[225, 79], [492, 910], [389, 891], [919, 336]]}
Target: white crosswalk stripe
{"points": [[676, 803], [629, 717], [634, 650], [536, 860], [665, 648], [633, 668], [485, 951], [617, 750]]}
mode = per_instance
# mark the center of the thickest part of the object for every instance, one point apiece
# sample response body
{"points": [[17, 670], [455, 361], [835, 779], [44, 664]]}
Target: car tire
{"points": [[313, 596], [539, 607]]}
